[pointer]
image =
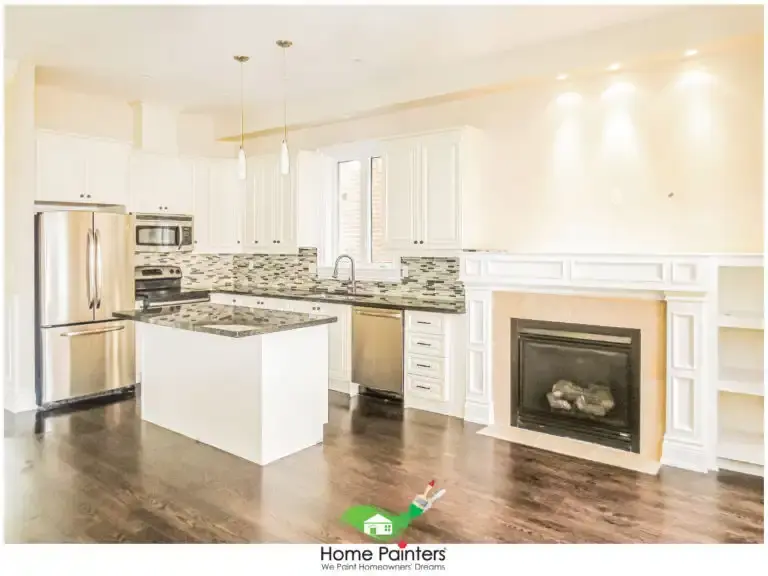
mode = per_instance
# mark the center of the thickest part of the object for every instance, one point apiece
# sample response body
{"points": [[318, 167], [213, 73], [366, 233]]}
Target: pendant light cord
{"points": [[285, 95], [242, 121]]}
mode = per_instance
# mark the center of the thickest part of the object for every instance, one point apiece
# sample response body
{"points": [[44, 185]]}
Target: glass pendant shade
{"points": [[241, 164], [285, 161]]}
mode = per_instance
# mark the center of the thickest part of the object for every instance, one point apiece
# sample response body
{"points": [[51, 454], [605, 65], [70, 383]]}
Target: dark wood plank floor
{"points": [[103, 475]]}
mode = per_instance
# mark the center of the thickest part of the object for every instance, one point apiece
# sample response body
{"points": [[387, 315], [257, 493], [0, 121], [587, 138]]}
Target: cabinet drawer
{"points": [[425, 322], [425, 344], [428, 388], [425, 366]]}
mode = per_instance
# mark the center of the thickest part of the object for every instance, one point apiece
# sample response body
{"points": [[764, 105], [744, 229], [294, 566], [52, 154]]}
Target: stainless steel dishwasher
{"points": [[377, 350]]}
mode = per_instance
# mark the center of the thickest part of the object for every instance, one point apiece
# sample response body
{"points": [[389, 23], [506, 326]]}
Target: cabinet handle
{"points": [[422, 322], [422, 387], [423, 344], [423, 365]]}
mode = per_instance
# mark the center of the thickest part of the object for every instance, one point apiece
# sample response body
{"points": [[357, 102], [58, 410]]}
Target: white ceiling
{"points": [[184, 54]]}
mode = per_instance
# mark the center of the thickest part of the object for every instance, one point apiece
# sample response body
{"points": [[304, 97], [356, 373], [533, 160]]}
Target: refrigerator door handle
{"points": [[90, 260], [87, 332], [99, 265]]}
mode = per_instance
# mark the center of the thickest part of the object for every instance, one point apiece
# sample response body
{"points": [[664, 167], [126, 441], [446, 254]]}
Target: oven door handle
{"points": [[181, 237]]}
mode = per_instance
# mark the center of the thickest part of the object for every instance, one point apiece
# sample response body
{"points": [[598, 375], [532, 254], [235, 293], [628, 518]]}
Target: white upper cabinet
{"points": [[401, 194], [201, 198], [423, 191], [224, 207], [160, 184], [440, 193], [270, 208], [107, 166], [79, 169]]}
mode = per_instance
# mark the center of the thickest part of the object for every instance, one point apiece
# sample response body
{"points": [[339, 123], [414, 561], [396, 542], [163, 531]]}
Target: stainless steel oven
{"points": [[163, 233]]}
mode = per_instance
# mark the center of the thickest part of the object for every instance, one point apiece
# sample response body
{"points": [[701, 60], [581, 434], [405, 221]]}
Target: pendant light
{"points": [[285, 160], [241, 153]]}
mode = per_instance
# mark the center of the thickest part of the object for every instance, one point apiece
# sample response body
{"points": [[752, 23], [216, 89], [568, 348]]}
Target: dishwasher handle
{"points": [[379, 313]]}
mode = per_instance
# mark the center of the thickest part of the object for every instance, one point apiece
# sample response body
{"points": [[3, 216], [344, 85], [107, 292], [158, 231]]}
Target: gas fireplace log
{"points": [[558, 403], [567, 390]]}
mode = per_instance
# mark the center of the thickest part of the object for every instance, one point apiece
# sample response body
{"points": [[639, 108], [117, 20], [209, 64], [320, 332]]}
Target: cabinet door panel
{"points": [[180, 194], [225, 198], [284, 211], [440, 192], [201, 205], [61, 167], [256, 232], [339, 340], [107, 172], [144, 197], [400, 199]]}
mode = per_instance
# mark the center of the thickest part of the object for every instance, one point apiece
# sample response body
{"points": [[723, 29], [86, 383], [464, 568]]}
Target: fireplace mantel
{"points": [[687, 282]]}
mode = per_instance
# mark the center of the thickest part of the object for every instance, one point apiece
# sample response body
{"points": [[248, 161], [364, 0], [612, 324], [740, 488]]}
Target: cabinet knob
{"points": [[415, 242], [88, 195], [238, 241], [255, 241], [195, 241], [82, 195], [421, 241]]}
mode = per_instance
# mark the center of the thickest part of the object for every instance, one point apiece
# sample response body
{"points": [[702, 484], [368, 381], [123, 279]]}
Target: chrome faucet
{"points": [[352, 270]]}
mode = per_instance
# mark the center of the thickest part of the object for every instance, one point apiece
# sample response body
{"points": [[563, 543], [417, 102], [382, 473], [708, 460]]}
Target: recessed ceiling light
{"points": [[613, 67], [690, 52], [562, 77]]}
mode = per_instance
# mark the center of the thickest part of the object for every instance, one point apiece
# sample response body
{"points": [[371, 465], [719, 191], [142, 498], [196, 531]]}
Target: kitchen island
{"points": [[251, 382]]}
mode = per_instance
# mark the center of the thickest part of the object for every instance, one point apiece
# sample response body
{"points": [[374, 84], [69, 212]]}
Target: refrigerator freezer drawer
{"points": [[86, 359]]}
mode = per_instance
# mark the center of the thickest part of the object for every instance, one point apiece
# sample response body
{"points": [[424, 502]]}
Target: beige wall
{"points": [[648, 316], [95, 115], [19, 287], [673, 166]]}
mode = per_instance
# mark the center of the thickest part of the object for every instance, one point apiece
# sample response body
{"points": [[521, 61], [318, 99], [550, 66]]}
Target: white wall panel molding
{"points": [[630, 272], [478, 406]]}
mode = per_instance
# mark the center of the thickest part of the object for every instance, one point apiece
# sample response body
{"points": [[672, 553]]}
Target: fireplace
{"points": [[578, 381]]}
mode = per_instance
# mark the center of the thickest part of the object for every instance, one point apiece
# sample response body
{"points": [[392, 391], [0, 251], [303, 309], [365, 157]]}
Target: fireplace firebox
{"points": [[578, 381]]}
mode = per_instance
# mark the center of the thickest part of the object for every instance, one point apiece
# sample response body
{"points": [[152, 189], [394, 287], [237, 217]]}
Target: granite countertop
{"points": [[453, 306], [231, 321]]}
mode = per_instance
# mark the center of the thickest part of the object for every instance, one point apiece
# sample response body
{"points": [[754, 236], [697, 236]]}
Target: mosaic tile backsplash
{"points": [[428, 277]]}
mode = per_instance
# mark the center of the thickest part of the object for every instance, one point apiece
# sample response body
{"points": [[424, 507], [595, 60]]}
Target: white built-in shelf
{"points": [[741, 381], [747, 319], [741, 446]]}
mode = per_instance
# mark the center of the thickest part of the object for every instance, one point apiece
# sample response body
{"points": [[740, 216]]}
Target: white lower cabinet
{"points": [[434, 364]]}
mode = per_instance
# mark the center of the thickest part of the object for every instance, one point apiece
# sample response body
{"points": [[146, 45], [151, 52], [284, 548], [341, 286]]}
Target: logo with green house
{"points": [[383, 525]]}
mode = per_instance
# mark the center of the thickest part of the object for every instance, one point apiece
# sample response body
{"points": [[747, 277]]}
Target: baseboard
{"points": [[742, 467], [684, 455], [344, 387], [417, 403], [478, 413]]}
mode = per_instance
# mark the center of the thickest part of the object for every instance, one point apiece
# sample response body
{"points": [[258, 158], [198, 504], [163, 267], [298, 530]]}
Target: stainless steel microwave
{"points": [[163, 232]]}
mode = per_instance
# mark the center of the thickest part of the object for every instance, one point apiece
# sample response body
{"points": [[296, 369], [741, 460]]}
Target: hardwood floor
{"points": [[103, 475]]}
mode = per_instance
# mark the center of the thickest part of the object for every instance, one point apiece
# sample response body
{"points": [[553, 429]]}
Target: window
{"points": [[357, 208]]}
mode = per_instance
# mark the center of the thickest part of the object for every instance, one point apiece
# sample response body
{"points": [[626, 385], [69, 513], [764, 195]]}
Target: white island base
{"points": [[258, 397]]}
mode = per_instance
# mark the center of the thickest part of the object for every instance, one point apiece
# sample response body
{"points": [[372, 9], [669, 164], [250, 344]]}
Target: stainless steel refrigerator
{"points": [[84, 272]]}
